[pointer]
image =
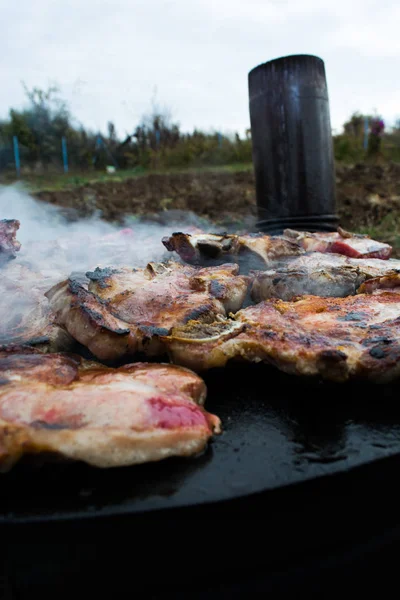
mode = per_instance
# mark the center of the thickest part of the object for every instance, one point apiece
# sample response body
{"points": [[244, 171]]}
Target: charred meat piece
{"points": [[259, 249], [89, 321], [341, 242], [318, 274], [249, 251], [9, 246], [335, 338], [126, 310], [26, 315], [285, 269], [379, 285], [59, 404], [149, 289]]}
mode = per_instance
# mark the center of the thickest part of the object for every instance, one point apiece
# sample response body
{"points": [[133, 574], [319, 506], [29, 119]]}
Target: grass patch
{"points": [[388, 230]]}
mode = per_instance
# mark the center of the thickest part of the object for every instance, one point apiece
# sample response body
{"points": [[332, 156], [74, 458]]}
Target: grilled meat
{"points": [[280, 266], [59, 404], [126, 310], [9, 246], [318, 274], [336, 338], [259, 250], [250, 251], [26, 315], [340, 242], [379, 285]]}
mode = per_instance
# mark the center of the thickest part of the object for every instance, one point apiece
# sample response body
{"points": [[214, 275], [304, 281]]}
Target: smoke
{"points": [[56, 244], [80, 243]]}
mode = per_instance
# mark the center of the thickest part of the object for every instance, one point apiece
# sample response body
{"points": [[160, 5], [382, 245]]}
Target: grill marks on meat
{"points": [[336, 338], [106, 417], [252, 250], [127, 310], [9, 246], [341, 242], [88, 320], [319, 274]]}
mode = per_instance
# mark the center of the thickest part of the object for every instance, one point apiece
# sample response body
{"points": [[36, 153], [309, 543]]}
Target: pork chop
{"points": [[125, 310], [341, 242], [9, 246], [319, 274], [60, 404], [260, 250], [336, 338], [26, 318], [249, 251], [379, 285]]}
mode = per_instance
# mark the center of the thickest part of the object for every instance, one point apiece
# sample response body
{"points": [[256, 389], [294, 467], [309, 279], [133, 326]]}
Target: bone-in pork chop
{"points": [[26, 315], [318, 274], [251, 250], [341, 242], [59, 404], [126, 310], [336, 338], [260, 250], [281, 267], [380, 285], [9, 246]]}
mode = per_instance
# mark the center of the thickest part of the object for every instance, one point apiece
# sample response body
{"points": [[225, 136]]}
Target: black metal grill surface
{"points": [[279, 431]]}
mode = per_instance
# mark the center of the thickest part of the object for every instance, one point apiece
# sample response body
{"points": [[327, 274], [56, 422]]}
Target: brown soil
{"points": [[366, 194], [208, 194]]}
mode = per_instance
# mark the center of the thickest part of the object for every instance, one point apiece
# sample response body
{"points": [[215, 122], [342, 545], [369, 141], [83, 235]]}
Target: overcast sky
{"points": [[108, 57]]}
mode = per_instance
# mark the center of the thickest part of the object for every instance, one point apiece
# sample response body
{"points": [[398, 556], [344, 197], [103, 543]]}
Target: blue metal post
{"points": [[366, 129], [64, 153], [97, 147], [16, 156], [158, 137], [219, 140]]}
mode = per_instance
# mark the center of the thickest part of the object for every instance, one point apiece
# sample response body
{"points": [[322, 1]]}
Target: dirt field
{"points": [[368, 197]]}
